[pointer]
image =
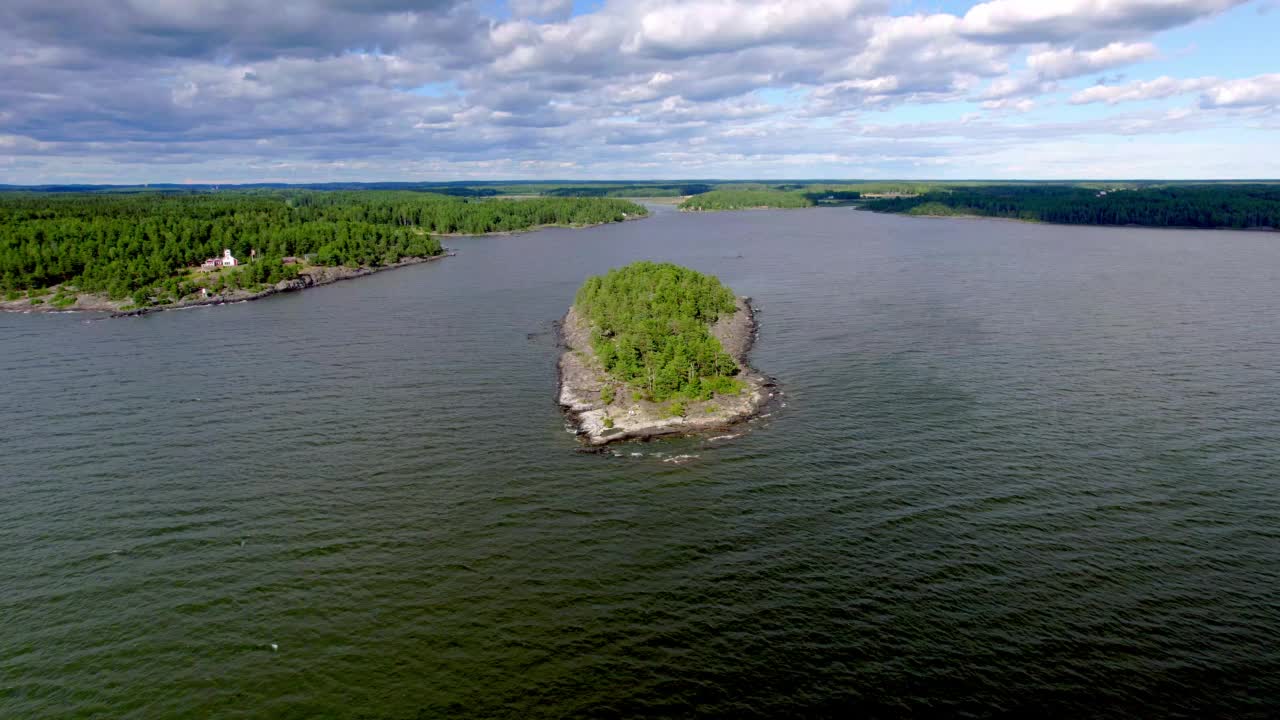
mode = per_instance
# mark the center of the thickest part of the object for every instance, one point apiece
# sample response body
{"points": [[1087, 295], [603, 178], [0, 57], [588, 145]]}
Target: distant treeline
{"points": [[448, 215], [636, 188], [744, 199], [623, 191], [832, 197], [482, 189], [125, 244], [1192, 206]]}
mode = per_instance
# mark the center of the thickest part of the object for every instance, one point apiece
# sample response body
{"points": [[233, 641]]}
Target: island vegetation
{"points": [[148, 246], [1237, 206], [650, 329], [655, 348]]}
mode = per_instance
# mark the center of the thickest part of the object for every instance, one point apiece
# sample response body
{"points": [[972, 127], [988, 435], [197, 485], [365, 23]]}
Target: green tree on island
{"points": [[650, 325]]}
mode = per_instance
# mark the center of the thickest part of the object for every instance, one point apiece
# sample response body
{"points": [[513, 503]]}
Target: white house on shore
{"points": [[227, 260]]}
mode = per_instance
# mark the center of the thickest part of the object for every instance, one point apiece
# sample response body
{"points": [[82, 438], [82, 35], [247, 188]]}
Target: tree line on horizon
{"points": [[1237, 206], [743, 199]]}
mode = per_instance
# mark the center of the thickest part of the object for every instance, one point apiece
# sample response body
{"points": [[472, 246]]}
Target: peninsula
{"points": [[655, 349], [1227, 206], [143, 251]]}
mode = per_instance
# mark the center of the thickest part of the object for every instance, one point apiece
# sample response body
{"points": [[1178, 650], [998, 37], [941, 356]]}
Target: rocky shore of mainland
{"points": [[309, 277], [628, 417]]}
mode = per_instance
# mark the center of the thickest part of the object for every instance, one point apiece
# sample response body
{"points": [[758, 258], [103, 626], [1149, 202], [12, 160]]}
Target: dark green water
{"points": [[1020, 469]]}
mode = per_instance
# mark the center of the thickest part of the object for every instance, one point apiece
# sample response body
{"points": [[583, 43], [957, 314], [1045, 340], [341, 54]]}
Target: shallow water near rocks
{"points": [[1017, 467]]}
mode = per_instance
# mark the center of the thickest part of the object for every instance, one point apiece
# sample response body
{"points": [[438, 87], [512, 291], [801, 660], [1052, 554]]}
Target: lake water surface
{"points": [[1020, 468]]}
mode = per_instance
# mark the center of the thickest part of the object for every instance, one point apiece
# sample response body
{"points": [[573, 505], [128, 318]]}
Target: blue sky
{"points": [[322, 90]]}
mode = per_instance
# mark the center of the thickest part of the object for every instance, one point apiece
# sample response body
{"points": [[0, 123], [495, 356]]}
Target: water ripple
{"points": [[1019, 468]]}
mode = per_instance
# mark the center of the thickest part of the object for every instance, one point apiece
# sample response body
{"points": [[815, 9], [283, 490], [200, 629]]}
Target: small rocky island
{"points": [[656, 349]]}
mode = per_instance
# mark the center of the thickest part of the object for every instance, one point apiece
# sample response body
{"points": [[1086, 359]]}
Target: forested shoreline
{"points": [[144, 245], [745, 199], [1239, 207]]}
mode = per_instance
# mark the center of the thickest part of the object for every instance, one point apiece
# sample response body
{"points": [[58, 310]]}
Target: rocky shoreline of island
{"points": [[310, 277], [627, 417]]}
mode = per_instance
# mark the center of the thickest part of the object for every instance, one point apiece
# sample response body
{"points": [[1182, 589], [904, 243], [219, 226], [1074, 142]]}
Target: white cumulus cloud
{"points": [[1263, 90], [1028, 21], [1069, 62], [1161, 87]]}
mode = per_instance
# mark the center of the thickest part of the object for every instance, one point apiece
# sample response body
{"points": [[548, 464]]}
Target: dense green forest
{"points": [[130, 244], [650, 329], [744, 199], [1193, 206]]}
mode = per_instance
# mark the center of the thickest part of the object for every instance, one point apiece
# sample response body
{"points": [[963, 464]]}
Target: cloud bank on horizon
{"points": [[323, 90]]}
